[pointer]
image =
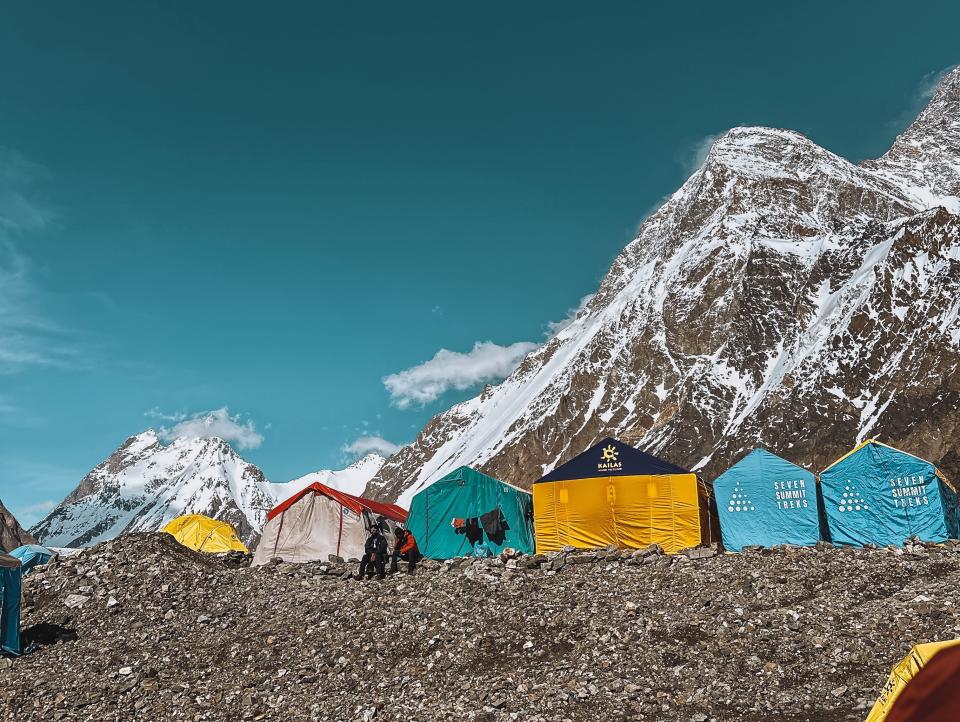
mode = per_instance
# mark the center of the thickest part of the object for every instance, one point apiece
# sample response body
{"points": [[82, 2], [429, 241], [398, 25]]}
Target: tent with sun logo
{"points": [[614, 494], [880, 495], [764, 500]]}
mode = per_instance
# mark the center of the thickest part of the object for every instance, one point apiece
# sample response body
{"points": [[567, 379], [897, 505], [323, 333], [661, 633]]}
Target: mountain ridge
{"points": [[145, 483], [761, 304]]}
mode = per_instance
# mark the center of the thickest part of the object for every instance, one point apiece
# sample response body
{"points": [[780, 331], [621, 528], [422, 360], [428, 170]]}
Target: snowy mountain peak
{"points": [[782, 297], [757, 150], [145, 483], [925, 158], [946, 96], [352, 480]]}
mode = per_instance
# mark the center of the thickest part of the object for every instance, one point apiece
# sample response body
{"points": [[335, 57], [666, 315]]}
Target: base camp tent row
{"points": [[764, 500], [319, 521], [901, 674], [877, 494], [615, 494], [10, 580], [467, 512], [203, 534]]}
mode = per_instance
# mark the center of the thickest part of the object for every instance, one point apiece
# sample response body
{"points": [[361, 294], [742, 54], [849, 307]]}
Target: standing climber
{"points": [[374, 555], [404, 547]]}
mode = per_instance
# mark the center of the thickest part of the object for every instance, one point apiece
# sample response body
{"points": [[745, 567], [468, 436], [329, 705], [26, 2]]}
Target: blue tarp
{"points": [[31, 555], [880, 495], [10, 576], [612, 458], [764, 500], [465, 508]]}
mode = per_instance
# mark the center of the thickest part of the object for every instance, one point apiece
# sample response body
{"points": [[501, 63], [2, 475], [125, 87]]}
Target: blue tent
{"points": [[877, 494], [31, 555], [467, 512], [9, 604], [764, 500]]}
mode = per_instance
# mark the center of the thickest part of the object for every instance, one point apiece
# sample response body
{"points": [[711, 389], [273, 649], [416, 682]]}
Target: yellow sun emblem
{"points": [[609, 453]]}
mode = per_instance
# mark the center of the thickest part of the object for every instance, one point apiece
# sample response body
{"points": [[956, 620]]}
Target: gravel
{"points": [[166, 633]]}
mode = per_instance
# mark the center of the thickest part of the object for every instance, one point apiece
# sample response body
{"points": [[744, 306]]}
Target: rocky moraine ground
{"points": [[142, 628]]}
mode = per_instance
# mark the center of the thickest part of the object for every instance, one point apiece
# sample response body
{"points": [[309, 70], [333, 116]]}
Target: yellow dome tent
{"points": [[902, 672], [203, 534]]}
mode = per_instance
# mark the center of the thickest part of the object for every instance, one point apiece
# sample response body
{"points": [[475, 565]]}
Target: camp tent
{"points": [[933, 695], [467, 510], [615, 494], [31, 555], [902, 672], [877, 494], [10, 576], [203, 534], [764, 500], [320, 520]]}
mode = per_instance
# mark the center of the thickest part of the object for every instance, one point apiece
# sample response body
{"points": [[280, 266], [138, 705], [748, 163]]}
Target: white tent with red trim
{"points": [[318, 521]]}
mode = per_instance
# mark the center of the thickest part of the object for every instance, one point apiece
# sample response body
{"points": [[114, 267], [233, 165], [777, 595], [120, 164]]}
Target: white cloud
{"points": [[27, 337], [19, 209], [555, 327], [219, 422], [30, 515], [156, 413], [371, 445], [448, 370], [698, 152], [929, 83]]}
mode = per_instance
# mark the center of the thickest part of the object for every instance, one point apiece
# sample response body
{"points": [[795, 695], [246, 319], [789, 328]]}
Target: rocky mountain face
{"points": [[144, 484], [782, 297], [12, 534]]}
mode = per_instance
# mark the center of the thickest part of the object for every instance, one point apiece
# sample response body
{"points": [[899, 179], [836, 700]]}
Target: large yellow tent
{"points": [[902, 672], [615, 494], [203, 534]]}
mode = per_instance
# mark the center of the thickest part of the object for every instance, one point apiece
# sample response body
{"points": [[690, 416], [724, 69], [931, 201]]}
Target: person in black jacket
{"points": [[374, 555]]}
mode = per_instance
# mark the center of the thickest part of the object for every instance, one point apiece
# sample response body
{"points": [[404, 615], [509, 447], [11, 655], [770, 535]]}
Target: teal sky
{"points": [[272, 207]]}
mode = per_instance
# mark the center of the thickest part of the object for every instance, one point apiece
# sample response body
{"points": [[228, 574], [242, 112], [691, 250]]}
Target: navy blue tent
{"points": [[612, 458], [10, 577], [764, 500]]}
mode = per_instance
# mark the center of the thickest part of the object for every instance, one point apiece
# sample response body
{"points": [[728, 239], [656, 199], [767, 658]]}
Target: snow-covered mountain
{"points": [[352, 480], [783, 297], [12, 534], [145, 483]]}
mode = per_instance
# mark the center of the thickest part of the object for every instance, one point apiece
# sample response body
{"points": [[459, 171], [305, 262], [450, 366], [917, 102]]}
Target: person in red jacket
{"points": [[404, 547]]}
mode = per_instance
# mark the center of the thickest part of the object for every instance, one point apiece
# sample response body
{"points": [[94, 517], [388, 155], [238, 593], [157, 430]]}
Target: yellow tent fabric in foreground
{"points": [[615, 494], [203, 534], [902, 672]]}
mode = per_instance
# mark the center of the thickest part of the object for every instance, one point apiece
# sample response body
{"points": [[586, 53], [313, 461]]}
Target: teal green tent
{"points": [[31, 555], [764, 500], [467, 513], [877, 494], [9, 604]]}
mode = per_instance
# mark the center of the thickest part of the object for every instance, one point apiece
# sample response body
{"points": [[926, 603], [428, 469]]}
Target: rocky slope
{"points": [[12, 534], [783, 297], [141, 628], [144, 484]]}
